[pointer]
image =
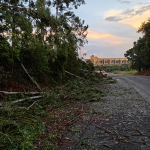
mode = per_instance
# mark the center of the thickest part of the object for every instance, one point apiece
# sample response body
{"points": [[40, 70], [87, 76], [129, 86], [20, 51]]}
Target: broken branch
{"points": [[73, 75], [69, 95], [20, 100], [32, 105], [30, 76]]}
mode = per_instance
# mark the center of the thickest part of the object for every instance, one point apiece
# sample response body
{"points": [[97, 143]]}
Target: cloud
{"points": [[92, 35], [118, 29], [129, 13], [116, 42], [103, 49], [111, 47], [136, 21], [114, 18], [124, 2]]}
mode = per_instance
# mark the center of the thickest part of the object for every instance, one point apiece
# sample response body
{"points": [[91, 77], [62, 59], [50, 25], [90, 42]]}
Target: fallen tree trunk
{"points": [[26, 93], [20, 100], [87, 71], [23, 99]]}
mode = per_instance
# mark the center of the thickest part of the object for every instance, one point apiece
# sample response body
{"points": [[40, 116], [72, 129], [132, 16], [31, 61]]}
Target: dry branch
{"points": [[32, 105], [107, 131], [86, 70], [73, 75], [20, 100], [69, 95], [26, 93], [21, 8], [30, 77]]}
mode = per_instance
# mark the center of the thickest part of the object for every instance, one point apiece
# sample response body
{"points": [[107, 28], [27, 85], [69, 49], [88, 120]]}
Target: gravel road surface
{"points": [[140, 83], [120, 122]]}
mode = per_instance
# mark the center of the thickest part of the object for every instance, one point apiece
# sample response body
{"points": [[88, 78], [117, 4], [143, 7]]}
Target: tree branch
{"points": [[20, 100], [26, 93], [73, 75], [30, 77], [23, 8]]}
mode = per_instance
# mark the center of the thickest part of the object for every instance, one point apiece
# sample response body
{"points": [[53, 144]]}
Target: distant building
{"points": [[107, 61]]}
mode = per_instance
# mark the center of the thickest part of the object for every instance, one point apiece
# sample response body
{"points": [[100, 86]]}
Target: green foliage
{"points": [[139, 55], [5, 52], [19, 128], [125, 72], [74, 130], [45, 44], [111, 68], [88, 65]]}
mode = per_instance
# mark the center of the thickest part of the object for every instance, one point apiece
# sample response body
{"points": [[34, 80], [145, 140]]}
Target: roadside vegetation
{"points": [[139, 55], [133, 72], [24, 123], [112, 68], [117, 69]]}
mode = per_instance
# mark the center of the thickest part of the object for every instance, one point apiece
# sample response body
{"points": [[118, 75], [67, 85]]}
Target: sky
{"points": [[113, 25]]}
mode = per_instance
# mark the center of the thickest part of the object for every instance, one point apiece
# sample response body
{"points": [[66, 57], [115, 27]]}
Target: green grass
{"points": [[125, 72]]}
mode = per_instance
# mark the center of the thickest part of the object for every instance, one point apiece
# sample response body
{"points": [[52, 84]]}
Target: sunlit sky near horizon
{"points": [[113, 25]]}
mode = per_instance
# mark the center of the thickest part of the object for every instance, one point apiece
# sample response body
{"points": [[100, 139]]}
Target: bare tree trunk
{"points": [[29, 4], [13, 36], [42, 28], [56, 11], [55, 46]]}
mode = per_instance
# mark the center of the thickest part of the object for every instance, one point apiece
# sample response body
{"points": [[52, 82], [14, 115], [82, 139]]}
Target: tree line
{"points": [[139, 55], [111, 68], [42, 35]]}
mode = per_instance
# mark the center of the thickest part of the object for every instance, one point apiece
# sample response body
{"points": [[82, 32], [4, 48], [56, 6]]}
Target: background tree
{"points": [[139, 55]]}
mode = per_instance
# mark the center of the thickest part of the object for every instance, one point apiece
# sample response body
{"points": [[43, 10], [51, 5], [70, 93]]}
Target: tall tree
{"points": [[35, 29], [139, 55]]}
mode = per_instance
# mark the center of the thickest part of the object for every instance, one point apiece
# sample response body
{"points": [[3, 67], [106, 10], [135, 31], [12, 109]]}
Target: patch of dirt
{"points": [[59, 122], [143, 73]]}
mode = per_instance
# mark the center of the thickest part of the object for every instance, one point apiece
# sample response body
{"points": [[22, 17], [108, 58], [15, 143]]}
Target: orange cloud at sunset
{"points": [[112, 13], [116, 42], [92, 35], [136, 21], [133, 17]]}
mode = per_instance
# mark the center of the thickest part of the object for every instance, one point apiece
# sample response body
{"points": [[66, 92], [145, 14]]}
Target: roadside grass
{"points": [[125, 72], [21, 127]]}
